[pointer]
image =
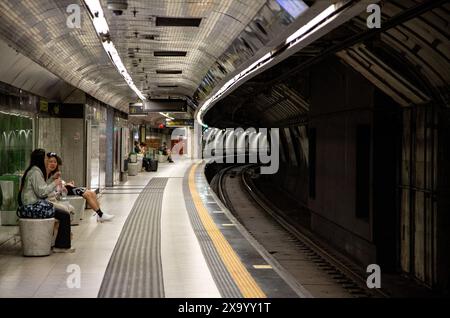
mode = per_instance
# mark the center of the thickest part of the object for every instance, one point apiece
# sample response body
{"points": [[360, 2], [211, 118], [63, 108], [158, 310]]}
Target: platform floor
{"points": [[170, 238]]}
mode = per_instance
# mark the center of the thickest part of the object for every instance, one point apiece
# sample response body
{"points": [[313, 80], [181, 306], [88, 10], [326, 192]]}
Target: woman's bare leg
{"points": [[91, 199]]}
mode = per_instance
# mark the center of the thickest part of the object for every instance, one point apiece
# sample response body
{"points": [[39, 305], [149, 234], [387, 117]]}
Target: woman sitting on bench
{"points": [[35, 187], [53, 163]]}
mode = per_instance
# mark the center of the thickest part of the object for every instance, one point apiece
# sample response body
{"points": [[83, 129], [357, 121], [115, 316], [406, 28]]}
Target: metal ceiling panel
{"points": [[136, 37]]}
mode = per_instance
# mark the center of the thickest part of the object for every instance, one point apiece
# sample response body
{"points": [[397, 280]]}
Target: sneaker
{"points": [[63, 250], [104, 217]]}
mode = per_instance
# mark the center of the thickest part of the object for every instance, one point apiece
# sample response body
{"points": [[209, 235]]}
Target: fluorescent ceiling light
{"points": [[315, 22], [239, 77], [167, 116], [102, 29]]}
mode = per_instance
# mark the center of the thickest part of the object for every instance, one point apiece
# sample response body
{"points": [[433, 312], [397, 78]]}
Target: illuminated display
{"points": [[294, 7]]}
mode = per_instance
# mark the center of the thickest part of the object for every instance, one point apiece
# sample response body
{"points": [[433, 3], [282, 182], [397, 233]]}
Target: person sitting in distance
{"points": [[143, 147], [165, 151]]}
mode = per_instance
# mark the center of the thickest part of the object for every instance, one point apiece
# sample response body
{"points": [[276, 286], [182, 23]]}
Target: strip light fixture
{"points": [[161, 113], [102, 29], [167, 116], [319, 21]]}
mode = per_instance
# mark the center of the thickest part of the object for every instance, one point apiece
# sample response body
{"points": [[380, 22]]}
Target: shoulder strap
{"points": [[19, 197]]}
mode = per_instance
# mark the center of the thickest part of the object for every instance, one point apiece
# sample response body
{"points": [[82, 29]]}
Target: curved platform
{"points": [[171, 238]]}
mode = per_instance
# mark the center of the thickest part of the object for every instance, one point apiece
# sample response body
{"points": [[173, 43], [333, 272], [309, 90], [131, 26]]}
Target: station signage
{"points": [[43, 105], [137, 110], [159, 106], [180, 123], [60, 110]]}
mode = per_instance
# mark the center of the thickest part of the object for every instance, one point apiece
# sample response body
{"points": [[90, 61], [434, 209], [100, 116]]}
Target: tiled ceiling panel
{"points": [[38, 30], [137, 37]]}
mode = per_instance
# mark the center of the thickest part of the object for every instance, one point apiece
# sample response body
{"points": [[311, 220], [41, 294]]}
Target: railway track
{"points": [[289, 244]]}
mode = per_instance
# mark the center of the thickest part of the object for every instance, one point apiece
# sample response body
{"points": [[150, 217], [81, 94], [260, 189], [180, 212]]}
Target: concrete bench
{"points": [[36, 236], [9, 217], [162, 158], [79, 203], [140, 159], [133, 168]]}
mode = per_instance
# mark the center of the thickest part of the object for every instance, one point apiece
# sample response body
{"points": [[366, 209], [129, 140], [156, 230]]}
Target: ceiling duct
{"points": [[117, 6], [170, 53], [178, 22], [171, 72], [148, 37]]}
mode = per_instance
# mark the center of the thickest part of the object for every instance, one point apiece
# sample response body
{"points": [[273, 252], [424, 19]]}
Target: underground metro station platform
{"points": [[253, 151]]}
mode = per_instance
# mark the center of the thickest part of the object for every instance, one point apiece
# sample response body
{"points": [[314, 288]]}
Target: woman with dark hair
{"points": [[137, 147], [34, 188]]}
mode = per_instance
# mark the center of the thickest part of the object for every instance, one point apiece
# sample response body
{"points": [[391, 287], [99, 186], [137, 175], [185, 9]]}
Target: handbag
{"points": [[64, 206], [42, 209]]}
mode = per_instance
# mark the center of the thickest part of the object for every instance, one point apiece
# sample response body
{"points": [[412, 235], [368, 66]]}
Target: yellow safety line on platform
{"points": [[245, 282]]}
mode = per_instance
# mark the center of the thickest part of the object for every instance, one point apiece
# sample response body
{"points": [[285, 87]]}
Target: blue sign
{"points": [[294, 7]]}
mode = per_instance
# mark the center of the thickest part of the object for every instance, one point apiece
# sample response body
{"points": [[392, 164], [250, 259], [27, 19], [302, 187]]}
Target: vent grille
{"points": [[169, 71], [169, 53], [178, 22], [148, 36]]}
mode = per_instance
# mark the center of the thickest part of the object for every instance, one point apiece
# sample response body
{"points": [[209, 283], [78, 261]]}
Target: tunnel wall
{"points": [[49, 130], [64, 134], [341, 101], [341, 166], [442, 239]]}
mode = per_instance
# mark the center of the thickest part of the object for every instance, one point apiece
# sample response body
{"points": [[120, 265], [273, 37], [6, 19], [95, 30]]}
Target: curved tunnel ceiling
{"points": [[409, 61], [228, 34], [38, 30]]}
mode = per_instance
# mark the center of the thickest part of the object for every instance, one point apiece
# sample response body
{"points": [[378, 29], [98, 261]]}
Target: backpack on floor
{"points": [[153, 166]]}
